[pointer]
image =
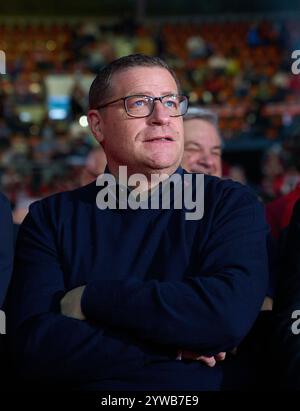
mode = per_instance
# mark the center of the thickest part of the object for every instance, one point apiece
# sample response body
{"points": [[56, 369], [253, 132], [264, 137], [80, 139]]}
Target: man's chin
{"points": [[163, 163], [200, 171], [161, 168]]}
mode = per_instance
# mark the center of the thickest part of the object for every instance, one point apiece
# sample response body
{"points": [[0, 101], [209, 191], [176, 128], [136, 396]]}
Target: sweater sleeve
{"points": [[207, 312], [6, 247], [45, 344]]}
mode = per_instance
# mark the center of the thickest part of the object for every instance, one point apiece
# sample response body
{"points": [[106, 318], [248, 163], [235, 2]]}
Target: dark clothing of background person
{"points": [[6, 247], [6, 266], [156, 283], [279, 211], [285, 344]]}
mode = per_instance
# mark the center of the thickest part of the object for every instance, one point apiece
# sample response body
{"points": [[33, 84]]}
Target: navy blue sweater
{"points": [[156, 283]]}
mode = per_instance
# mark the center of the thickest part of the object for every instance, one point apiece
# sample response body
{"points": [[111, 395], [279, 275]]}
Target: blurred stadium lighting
{"points": [[83, 121]]}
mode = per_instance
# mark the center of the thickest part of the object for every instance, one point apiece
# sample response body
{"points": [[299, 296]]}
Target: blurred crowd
{"points": [[240, 69]]}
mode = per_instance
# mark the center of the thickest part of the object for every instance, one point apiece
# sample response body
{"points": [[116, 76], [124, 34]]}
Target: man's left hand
{"points": [[70, 304]]}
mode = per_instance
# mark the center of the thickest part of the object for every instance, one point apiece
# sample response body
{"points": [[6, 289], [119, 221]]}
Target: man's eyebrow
{"points": [[192, 143], [150, 93]]}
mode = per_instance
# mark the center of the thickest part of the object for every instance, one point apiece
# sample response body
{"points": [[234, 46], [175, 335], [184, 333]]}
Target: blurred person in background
{"points": [[6, 267], [279, 211], [236, 173], [285, 339], [203, 146], [94, 165], [202, 142], [6, 247]]}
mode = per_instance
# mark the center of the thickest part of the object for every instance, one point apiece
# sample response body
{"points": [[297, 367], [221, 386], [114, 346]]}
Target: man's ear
{"points": [[96, 124]]}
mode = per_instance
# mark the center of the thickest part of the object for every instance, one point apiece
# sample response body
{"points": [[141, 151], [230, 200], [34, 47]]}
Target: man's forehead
{"points": [[198, 129], [146, 80], [199, 124]]}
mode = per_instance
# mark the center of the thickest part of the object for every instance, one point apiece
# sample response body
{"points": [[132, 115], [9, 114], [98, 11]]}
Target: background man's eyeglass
{"points": [[143, 106]]}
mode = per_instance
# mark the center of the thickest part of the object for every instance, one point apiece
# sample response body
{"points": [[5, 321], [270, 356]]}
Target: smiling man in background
{"points": [[202, 142]]}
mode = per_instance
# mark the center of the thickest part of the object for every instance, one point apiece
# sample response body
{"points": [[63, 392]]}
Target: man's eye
{"points": [[217, 153], [171, 104], [136, 103], [139, 103], [191, 149]]}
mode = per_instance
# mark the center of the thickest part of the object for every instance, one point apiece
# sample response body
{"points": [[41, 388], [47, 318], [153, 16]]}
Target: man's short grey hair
{"points": [[101, 87], [199, 113], [202, 114]]}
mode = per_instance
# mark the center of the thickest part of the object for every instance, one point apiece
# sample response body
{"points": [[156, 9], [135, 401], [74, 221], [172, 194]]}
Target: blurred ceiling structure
{"points": [[142, 8]]}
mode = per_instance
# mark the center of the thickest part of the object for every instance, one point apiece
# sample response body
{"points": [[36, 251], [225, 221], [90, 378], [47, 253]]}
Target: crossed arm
{"points": [[205, 315], [71, 307]]}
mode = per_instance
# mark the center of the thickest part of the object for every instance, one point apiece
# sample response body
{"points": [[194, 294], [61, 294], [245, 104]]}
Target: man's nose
{"points": [[204, 159], [160, 114]]}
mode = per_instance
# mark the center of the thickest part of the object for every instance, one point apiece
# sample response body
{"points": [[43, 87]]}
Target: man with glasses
{"points": [[138, 299]]}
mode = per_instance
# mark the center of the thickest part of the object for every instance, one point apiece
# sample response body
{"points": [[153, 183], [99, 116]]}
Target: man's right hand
{"points": [[209, 361]]}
